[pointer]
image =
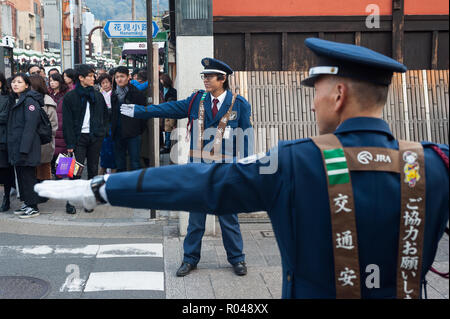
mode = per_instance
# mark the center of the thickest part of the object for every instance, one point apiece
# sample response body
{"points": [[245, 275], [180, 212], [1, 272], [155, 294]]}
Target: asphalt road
{"points": [[87, 268]]}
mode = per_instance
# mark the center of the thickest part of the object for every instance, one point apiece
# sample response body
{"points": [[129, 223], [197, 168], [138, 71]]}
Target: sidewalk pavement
{"points": [[104, 222], [214, 277]]}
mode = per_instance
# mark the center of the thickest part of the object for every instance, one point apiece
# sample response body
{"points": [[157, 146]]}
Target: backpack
{"points": [[44, 128]]}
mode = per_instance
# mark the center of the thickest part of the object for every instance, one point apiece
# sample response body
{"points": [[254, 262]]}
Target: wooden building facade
{"points": [[267, 35], [417, 108]]}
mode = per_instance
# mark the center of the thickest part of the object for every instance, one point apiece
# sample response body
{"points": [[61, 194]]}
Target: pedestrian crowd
{"points": [[82, 106]]}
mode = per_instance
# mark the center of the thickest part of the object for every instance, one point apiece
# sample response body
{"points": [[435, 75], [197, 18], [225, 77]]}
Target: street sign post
{"points": [[129, 29], [153, 124]]}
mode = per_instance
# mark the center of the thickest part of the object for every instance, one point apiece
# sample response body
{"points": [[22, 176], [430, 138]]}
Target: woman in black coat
{"points": [[24, 144], [7, 177]]}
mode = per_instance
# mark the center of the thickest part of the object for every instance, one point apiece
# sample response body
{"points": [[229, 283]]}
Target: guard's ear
{"points": [[341, 95], [221, 78]]}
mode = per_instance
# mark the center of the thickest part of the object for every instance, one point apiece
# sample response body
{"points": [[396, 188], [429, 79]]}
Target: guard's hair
{"points": [[365, 93], [369, 93], [226, 84]]}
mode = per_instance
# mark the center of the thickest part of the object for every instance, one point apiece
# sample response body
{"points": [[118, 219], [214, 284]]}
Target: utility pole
{"points": [[82, 34], [133, 10], [1, 34], [151, 81], [72, 31], [111, 48]]}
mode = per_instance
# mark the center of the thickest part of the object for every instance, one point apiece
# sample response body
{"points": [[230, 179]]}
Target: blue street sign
{"points": [[129, 29]]}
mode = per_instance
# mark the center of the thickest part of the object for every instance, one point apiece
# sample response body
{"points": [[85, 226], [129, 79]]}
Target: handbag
{"points": [[78, 169], [67, 166]]}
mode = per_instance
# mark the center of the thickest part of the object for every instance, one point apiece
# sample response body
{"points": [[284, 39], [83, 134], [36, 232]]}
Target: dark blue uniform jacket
{"points": [[179, 110], [296, 198]]}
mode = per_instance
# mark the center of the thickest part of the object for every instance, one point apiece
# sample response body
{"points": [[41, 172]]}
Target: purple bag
{"points": [[65, 168]]}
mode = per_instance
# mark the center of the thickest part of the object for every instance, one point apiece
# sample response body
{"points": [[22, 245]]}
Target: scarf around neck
{"points": [[121, 92], [86, 93]]}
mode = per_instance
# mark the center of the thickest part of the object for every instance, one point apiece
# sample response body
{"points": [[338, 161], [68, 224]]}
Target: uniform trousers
{"points": [[26, 178], [231, 237]]}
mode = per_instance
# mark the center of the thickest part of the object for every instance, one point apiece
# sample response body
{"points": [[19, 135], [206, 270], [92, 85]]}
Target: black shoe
{"points": [[70, 209], [240, 269], [164, 150], [42, 200], [5, 204], [29, 212], [88, 210], [20, 210], [185, 269]]}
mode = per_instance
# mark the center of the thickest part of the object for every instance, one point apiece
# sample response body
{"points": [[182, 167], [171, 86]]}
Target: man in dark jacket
{"points": [[126, 131], [85, 122]]}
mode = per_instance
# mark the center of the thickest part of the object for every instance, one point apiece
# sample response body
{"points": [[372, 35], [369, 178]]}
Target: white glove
{"points": [[127, 110], [76, 192]]}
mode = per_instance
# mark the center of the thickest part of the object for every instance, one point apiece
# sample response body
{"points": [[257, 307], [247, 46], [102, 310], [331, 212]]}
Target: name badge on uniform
{"points": [[227, 133]]}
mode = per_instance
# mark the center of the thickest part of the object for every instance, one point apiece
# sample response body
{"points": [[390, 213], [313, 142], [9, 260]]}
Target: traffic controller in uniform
{"points": [[350, 200], [213, 115]]}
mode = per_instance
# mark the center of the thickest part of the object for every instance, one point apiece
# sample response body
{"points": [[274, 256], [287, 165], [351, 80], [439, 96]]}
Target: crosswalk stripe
{"points": [[125, 280], [99, 251], [98, 281], [89, 250], [130, 250]]}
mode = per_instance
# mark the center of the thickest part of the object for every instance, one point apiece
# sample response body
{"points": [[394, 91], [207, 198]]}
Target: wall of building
{"points": [[23, 29], [419, 7], [23, 5], [97, 39], [8, 17], [29, 28], [264, 37], [52, 24], [322, 7]]}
